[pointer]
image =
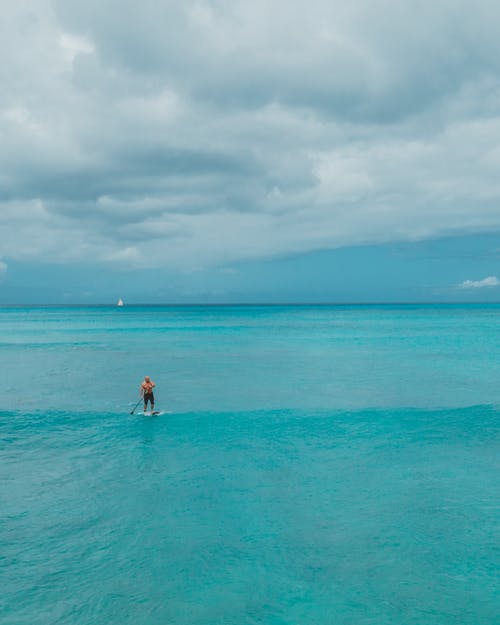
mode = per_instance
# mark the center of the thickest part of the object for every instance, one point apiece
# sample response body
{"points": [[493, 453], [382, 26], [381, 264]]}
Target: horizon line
{"points": [[242, 304]]}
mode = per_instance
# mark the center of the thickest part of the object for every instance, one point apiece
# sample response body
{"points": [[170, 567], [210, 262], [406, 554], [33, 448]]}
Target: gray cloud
{"points": [[198, 133]]}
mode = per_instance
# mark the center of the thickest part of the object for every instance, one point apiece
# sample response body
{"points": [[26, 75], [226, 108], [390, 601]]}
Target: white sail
{"points": [[120, 302]]}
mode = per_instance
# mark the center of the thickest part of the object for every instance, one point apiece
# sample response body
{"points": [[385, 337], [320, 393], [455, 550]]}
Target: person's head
{"points": [[147, 378]]}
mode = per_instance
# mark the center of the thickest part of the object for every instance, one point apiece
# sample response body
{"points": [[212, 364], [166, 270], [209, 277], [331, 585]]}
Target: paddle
{"points": [[135, 407]]}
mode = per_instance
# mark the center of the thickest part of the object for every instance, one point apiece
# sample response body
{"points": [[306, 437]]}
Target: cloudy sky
{"points": [[226, 150]]}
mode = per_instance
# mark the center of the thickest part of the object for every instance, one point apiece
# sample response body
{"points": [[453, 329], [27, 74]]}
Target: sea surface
{"points": [[313, 465]]}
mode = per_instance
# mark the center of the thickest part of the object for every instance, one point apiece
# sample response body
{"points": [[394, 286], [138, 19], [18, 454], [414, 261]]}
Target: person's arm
{"points": [[152, 385], [141, 390]]}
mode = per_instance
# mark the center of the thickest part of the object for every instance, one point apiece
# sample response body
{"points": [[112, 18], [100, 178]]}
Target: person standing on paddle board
{"points": [[146, 391]]}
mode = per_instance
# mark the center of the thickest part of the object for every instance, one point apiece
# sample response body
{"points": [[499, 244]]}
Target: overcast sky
{"points": [[240, 151]]}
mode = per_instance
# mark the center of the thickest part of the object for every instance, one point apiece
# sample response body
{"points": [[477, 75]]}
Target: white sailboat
{"points": [[119, 302]]}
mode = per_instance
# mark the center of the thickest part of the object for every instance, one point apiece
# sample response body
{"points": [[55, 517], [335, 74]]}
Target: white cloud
{"points": [[72, 45], [127, 256], [479, 284]]}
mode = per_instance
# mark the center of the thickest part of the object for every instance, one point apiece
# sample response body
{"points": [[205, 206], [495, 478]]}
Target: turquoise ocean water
{"points": [[316, 466]]}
